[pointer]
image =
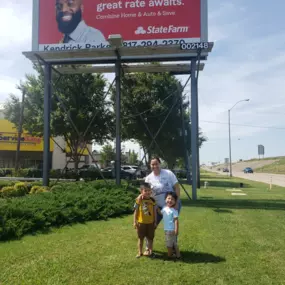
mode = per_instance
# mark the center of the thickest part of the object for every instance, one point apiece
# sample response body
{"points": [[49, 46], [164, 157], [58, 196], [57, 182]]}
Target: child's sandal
{"points": [[139, 255], [146, 253]]}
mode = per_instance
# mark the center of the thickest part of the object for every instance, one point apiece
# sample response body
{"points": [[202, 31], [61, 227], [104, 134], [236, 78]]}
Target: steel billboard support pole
{"points": [[118, 120], [186, 154], [230, 143], [198, 148], [194, 130], [47, 105]]}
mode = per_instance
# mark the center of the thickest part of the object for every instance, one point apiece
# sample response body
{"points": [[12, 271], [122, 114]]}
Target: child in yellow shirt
{"points": [[145, 218]]}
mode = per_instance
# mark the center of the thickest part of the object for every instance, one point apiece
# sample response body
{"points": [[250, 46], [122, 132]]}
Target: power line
{"points": [[243, 125]]}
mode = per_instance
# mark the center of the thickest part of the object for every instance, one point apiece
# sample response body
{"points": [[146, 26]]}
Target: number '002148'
{"points": [[191, 46]]}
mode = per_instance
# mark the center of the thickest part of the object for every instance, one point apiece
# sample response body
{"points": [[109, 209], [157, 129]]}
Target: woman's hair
{"points": [[157, 158]]}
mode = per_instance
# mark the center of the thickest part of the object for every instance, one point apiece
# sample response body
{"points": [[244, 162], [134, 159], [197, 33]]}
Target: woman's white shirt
{"points": [[160, 184]]}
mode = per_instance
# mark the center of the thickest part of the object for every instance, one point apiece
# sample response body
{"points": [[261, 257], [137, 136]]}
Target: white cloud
{"points": [[15, 34]]}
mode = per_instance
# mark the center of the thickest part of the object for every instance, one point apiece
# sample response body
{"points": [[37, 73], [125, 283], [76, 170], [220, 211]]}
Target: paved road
{"points": [[277, 179]]}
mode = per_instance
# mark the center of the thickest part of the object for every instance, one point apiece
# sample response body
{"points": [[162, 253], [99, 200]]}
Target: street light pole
{"points": [[230, 143]]}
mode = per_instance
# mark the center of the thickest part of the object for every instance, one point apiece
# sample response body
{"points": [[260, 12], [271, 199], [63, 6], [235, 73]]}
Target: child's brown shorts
{"points": [[145, 230], [170, 239]]}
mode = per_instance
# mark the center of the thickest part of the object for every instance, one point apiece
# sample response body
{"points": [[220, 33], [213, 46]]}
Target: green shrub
{"points": [[39, 189], [56, 173], [67, 203], [21, 172], [6, 172], [12, 191], [5, 183], [7, 192], [34, 173], [34, 189], [21, 187]]}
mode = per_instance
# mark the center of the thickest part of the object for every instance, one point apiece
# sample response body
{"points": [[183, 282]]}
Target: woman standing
{"points": [[161, 182]]}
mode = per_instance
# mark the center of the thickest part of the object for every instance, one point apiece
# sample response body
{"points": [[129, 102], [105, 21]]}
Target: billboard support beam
{"points": [[194, 128], [118, 119], [186, 153], [47, 104]]}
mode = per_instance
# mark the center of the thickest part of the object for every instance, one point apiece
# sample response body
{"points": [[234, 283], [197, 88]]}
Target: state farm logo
{"points": [[161, 30], [140, 31]]}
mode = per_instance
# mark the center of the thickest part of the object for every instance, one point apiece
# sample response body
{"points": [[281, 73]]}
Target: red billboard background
{"points": [[182, 13]]}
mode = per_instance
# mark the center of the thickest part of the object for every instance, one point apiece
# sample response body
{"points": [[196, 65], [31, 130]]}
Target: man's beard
{"points": [[69, 26]]}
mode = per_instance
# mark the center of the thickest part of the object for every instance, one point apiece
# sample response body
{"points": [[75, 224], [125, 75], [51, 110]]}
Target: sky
{"points": [[247, 62]]}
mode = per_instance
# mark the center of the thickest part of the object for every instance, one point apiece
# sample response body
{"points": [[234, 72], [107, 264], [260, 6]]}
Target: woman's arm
{"points": [[155, 215], [177, 191]]}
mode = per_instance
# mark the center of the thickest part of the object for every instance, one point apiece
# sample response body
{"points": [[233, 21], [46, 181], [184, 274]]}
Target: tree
{"points": [[133, 158], [150, 97], [83, 98], [107, 155]]}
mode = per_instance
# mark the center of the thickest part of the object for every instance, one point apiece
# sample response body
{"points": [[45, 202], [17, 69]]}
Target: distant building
{"points": [[31, 149]]}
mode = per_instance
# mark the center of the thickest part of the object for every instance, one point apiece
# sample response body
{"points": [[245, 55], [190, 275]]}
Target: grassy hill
{"points": [[276, 167]]}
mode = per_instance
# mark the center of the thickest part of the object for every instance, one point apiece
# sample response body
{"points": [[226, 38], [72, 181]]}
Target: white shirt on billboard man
{"points": [[72, 26]]}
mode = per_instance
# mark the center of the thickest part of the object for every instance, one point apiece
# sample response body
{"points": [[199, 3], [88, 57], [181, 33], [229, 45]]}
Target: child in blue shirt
{"points": [[171, 224]]}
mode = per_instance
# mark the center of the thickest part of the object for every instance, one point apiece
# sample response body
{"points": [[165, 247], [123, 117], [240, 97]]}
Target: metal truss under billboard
{"points": [[63, 25]]}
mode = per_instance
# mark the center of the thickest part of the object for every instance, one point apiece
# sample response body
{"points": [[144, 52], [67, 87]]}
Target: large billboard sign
{"points": [[260, 149], [82, 24]]}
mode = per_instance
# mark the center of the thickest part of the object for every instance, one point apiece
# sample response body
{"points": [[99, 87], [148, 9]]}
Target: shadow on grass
{"points": [[225, 183], [220, 183], [223, 211], [192, 257], [236, 204]]}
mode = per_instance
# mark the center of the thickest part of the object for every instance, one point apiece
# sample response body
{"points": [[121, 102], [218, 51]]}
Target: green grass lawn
{"points": [[224, 239], [277, 167]]}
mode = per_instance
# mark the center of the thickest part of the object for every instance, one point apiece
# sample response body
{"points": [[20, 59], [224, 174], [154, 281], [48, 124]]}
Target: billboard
{"points": [[82, 24], [260, 148], [9, 139]]}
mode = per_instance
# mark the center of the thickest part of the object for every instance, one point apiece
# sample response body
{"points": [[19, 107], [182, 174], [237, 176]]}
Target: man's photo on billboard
{"points": [[69, 17]]}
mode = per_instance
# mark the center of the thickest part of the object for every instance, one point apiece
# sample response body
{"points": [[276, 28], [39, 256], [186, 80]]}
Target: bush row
{"points": [[29, 185], [21, 189], [92, 174], [66, 203], [37, 173]]}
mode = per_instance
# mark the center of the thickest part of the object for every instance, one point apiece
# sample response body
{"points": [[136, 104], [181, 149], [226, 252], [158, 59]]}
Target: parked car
{"points": [[88, 166], [132, 169], [109, 172], [226, 170], [248, 170]]}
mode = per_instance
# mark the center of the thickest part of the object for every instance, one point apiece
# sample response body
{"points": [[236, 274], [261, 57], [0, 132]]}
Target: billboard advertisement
{"points": [[260, 149], [9, 139], [82, 24]]}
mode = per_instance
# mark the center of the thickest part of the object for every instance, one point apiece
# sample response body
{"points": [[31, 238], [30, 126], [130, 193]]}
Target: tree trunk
{"points": [[170, 163], [149, 155], [76, 161]]}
